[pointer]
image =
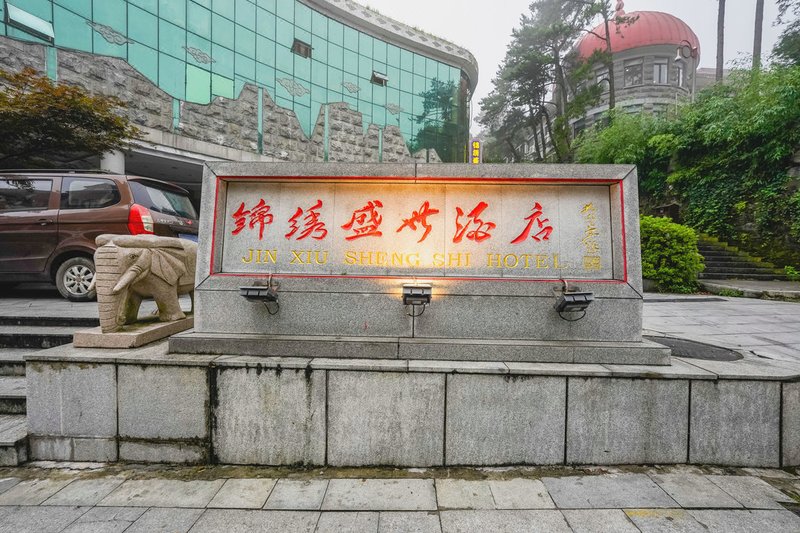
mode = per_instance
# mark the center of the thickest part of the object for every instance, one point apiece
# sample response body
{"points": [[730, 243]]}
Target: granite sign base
{"points": [[641, 353], [149, 405]]}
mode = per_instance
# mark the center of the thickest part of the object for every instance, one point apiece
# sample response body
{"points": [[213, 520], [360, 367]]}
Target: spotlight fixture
{"points": [[572, 301], [268, 295], [417, 295]]}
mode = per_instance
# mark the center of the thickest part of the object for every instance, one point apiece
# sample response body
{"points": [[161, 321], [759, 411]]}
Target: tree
{"points": [[787, 49], [759, 29], [720, 40], [44, 124]]}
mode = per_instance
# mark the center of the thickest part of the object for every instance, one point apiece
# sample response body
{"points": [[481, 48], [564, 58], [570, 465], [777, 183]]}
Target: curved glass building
{"points": [[303, 54]]}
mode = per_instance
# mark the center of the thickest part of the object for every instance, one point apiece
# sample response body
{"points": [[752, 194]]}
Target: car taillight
{"points": [[139, 220]]}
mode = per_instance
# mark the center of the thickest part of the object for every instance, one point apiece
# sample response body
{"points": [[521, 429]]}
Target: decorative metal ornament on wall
{"points": [[394, 109], [351, 87], [292, 87], [108, 33], [199, 55]]}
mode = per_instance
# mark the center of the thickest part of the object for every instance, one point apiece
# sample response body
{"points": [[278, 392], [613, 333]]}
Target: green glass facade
{"points": [[195, 50]]}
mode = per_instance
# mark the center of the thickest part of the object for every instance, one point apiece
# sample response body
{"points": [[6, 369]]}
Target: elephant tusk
{"points": [[127, 278]]}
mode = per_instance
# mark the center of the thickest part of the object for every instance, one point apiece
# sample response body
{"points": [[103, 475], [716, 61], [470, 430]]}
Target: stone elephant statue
{"points": [[132, 267]]}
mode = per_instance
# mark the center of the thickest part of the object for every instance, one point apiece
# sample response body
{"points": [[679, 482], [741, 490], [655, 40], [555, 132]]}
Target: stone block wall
{"points": [[226, 122]]}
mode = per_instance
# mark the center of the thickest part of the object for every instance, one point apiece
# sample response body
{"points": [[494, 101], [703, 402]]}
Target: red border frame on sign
{"points": [[466, 180]]}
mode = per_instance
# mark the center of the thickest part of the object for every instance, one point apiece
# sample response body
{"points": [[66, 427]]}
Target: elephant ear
{"points": [[168, 265]]}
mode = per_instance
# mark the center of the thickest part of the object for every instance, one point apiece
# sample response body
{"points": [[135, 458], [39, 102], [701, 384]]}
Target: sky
{"points": [[484, 28]]}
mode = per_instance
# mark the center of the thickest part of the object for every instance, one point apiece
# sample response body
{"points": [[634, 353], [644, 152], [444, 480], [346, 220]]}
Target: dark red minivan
{"points": [[49, 220]]}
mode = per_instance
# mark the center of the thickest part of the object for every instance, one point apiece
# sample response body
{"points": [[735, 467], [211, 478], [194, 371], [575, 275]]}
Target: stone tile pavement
{"points": [[74, 497], [762, 328]]}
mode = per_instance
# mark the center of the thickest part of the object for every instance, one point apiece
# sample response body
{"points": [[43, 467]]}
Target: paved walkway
{"points": [[232, 499]]}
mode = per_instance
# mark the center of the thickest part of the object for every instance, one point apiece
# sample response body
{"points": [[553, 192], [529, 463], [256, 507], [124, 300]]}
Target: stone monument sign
{"points": [[494, 247]]}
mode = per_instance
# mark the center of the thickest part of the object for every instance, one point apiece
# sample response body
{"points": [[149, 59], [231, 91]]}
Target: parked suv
{"points": [[49, 220]]}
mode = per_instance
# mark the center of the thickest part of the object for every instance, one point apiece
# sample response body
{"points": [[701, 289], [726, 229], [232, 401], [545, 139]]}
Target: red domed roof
{"points": [[651, 28]]}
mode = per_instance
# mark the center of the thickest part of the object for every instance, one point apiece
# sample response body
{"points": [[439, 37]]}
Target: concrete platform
{"points": [[148, 405]]}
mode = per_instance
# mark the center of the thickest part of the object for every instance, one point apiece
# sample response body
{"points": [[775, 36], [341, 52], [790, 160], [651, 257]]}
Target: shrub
{"points": [[669, 255]]}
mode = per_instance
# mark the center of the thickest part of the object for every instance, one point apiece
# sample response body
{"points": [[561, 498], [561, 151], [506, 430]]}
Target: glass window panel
{"points": [[365, 43], [378, 114], [633, 73], [223, 60], [335, 79], [379, 95], [393, 55], [284, 59], [319, 24], [103, 47], [246, 14], [204, 45], [282, 100], [173, 11], [419, 64], [269, 5], [302, 69], [199, 20], [38, 8], [109, 12], [88, 193], [351, 62], [406, 101], [365, 92], [238, 85], [286, 10], [172, 76], [335, 32], [198, 85], [394, 76], [142, 27], [302, 34], [145, 60], [265, 75], [320, 49], [304, 117], [319, 94], [351, 101], [431, 68], [84, 7], [392, 95], [79, 35], [284, 34], [334, 96], [319, 73], [204, 3], [222, 30], [302, 16], [224, 8], [149, 5], [245, 42], [171, 39], [364, 67], [265, 51], [379, 51], [420, 84], [406, 60], [245, 67], [221, 86], [265, 24], [335, 56], [350, 38], [23, 194], [406, 82]]}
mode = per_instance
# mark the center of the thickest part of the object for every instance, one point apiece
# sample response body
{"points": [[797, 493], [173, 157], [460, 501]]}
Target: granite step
{"points": [[50, 321], [12, 395], [13, 440], [763, 277], [35, 336], [12, 361]]}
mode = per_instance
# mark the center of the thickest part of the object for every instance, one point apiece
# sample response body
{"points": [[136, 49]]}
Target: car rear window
{"points": [[162, 200], [23, 194], [88, 193]]}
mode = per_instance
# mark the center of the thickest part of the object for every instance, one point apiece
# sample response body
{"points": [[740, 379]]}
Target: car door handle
{"points": [[45, 221]]}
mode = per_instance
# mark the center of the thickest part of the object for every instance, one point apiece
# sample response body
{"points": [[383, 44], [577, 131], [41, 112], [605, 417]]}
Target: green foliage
{"points": [[730, 293], [669, 255], [45, 124], [792, 273], [787, 48]]}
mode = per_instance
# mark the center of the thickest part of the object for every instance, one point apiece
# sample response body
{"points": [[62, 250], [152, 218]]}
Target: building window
{"points": [[300, 48], [633, 73], [379, 78], [679, 75], [601, 79], [661, 72], [31, 24]]}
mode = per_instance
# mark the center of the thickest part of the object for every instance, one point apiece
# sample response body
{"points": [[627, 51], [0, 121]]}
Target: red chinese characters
{"points": [[365, 221], [419, 217], [312, 225], [536, 217], [481, 230], [258, 216]]}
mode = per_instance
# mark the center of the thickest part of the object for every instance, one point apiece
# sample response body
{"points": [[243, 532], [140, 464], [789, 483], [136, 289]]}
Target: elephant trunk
{"points": [[110, 303]]}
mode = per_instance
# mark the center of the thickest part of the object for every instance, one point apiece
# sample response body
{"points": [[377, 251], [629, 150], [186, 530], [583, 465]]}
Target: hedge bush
{"points": [[669, 255]]}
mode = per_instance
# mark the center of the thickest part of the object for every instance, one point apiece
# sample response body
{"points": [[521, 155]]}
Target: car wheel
{"points": [[74, 277]]}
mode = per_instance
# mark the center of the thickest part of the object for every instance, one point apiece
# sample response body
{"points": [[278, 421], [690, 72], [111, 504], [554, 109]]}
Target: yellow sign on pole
{"points": [[476, 152]]}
